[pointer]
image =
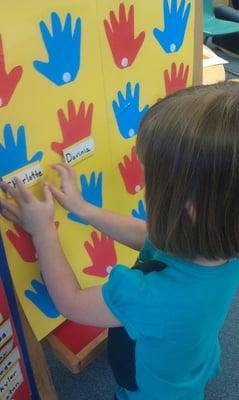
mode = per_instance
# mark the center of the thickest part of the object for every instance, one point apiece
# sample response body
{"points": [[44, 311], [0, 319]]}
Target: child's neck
{"points": [[209, 263]]}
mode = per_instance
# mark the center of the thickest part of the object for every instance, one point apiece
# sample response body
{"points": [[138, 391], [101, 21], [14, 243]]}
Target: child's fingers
{"points": [[10, 207], [60, 168], [10, 216], [47, 194], [67, 181], [26, 195], [11, 191], [63, 173], [64, 168], [58, 194], [71, 171]]}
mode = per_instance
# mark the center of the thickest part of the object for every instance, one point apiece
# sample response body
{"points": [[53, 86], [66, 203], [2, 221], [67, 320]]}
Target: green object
{"points": [[214, 26]]}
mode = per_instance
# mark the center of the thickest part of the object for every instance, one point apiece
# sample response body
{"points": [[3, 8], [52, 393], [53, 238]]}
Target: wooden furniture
{"points": [[213, 74], [45, 387], [76, 345]]}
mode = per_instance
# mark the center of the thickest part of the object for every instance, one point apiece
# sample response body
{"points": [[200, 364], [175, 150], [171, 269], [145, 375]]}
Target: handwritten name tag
{"points": [[29, 175], [9, 380], [12, 389], [79, 151], [5, 332], [6, 350], [8, 362]]}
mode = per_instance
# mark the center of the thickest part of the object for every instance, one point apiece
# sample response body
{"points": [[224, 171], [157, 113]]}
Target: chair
{"points": [[226, 12], [214, 26]]}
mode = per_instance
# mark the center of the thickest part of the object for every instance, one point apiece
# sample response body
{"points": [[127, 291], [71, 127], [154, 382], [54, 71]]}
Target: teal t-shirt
{"points": [[175, 317]]}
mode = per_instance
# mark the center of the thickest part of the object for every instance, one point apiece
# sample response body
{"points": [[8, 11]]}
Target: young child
{"points": [[174, 303]]}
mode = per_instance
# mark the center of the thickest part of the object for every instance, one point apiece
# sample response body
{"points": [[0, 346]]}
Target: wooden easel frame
{"points": [[198, 43], [45, 387]]}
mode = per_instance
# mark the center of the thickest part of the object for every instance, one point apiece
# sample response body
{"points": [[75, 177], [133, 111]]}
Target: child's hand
{"points": [[68, 195], [31, 214]]}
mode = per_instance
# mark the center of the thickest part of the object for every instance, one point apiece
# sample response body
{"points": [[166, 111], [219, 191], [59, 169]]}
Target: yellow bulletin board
{"points": [[76, 77]]}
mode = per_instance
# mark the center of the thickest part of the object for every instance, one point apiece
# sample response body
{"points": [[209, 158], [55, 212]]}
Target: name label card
{"points": [[13, 376], [11, 390], [6, 350], [5, 332], [79, 151], [8, 362], [29, 175]]}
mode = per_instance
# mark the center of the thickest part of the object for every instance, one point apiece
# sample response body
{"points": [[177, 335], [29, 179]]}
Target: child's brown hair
{"points": [[188, 144]]}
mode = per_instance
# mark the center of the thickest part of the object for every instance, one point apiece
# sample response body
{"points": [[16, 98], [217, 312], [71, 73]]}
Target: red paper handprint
{"points": [[121, 37], [131, 173], [22, 241], [8, 81], [74, 128], [177, 80], [102, 253]]}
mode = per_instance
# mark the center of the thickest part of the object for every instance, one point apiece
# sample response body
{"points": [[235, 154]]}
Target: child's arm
{"points": [[126, 230], [84, 306]]}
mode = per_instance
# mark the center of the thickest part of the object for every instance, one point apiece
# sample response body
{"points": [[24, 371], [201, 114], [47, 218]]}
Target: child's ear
{"points": [[191, 210]]}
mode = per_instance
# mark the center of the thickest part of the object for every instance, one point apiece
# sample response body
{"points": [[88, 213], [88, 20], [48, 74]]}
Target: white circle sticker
{"points": [[172, 47], [137, 188], [131, 132], [109, 269], [125, 62], [66, 77]]}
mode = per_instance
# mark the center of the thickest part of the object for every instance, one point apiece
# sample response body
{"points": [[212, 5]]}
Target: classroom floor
{"points": [[96, 381]]}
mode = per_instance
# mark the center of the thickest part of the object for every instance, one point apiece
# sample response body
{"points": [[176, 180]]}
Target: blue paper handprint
{"points": [[41, 299], [175, 23], [140, 213], [91, 192], [127, 113], [13, 154], [63, 48]]}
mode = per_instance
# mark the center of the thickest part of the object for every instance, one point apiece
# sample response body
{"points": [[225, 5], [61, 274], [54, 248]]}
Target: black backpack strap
{"points": [[121, 348], [149, 266]]}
